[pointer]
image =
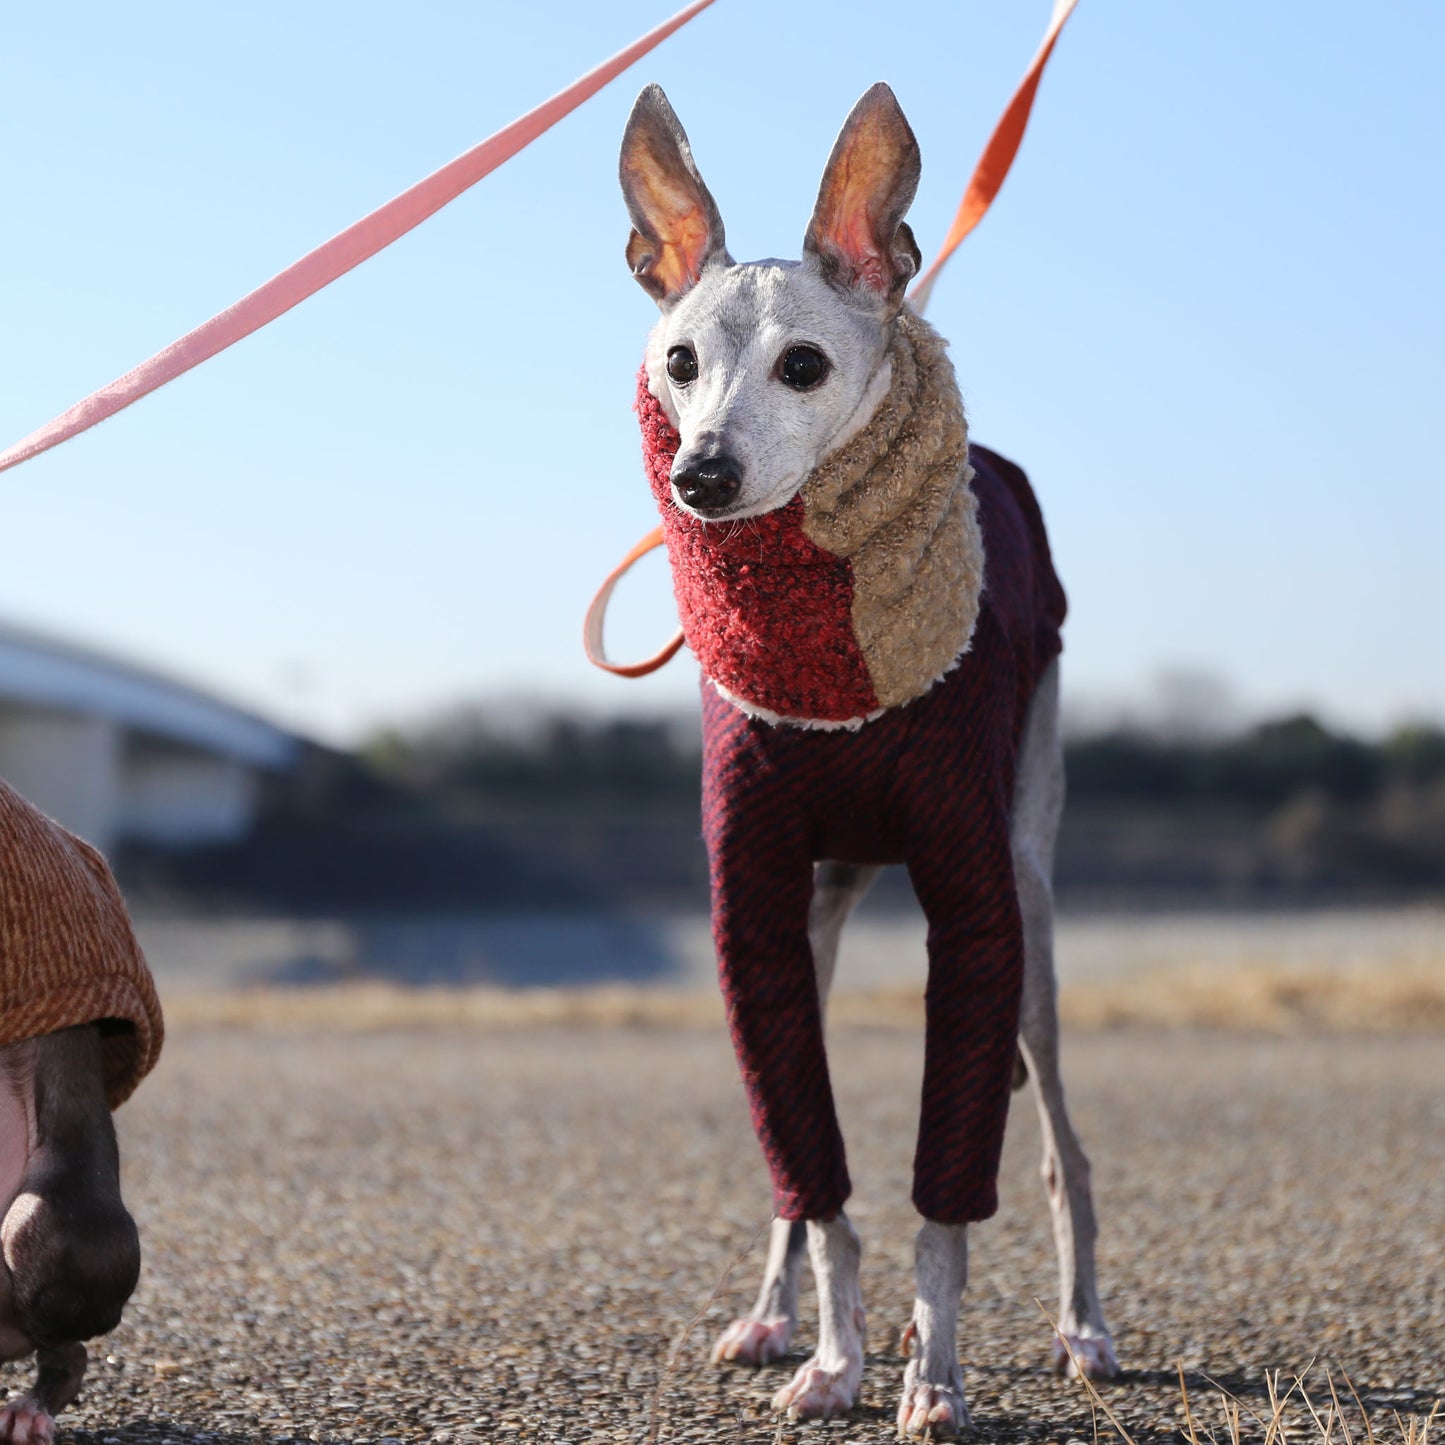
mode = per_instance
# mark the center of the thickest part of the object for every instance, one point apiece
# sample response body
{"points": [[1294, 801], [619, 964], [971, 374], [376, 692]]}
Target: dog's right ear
{"points": [[676, 226]]}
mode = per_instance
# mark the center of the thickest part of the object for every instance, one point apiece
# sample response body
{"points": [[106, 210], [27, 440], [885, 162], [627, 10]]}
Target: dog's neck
{"points": [[860, 593]]}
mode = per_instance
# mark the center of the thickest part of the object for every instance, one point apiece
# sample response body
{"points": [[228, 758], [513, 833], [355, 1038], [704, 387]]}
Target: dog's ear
{"points": [[857, 232], [676, 226]]}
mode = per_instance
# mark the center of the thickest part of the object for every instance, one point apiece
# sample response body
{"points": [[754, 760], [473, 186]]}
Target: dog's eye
{"points": [[681, 365], [802, 367]]}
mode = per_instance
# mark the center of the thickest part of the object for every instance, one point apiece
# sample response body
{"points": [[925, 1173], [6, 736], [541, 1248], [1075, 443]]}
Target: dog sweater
{"points": [[68, 955], [927, 781]]}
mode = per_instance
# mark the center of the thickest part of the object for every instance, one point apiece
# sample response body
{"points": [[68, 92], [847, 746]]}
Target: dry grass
{"points": [[1401, 998], [1293, 1415]]}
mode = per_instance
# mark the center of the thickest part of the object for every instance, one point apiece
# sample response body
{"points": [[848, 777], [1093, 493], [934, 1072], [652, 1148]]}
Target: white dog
{"points": [[777, 398]]}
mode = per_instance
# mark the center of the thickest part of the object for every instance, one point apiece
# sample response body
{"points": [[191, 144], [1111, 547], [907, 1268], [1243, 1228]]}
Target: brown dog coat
{"points": [[68, 954]]}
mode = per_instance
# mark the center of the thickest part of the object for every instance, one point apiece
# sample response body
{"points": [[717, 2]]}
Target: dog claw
{"points": [[25, 1421], [815, 1393], [933, 1411], [929, 1408], [1091, 1356], [753, 1342]]}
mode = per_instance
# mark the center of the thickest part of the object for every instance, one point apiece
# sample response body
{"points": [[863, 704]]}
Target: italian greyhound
{"points": [[758, 377]]}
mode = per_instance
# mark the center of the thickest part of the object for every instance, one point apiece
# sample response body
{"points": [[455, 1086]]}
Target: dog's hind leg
{"points": [[766, 1332], [1084, 1344], [762, 1336], [838, 888]]}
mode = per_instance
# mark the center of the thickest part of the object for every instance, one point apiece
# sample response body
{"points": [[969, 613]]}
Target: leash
{"points": [[597, 613], [988, 177], [334, 258], [997, 158]]}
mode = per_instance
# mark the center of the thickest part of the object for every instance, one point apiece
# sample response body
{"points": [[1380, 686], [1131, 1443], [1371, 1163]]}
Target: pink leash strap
{"points": [[334, 258]]}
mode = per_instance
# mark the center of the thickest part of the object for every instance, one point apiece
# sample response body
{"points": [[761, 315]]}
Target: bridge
{"points": [[119, 753]]}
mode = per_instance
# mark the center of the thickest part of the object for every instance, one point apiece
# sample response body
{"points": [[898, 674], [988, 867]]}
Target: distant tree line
{"points": [[477, 754], [1286, 806], [1264, 766], [513, 807]]}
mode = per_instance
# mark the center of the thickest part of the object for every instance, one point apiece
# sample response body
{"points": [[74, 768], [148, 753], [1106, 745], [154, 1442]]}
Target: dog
{"points": [[80, 1026], [875, 613]]}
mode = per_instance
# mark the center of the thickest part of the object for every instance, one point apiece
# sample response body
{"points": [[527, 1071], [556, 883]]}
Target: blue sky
{"points": [[1207, 315]]}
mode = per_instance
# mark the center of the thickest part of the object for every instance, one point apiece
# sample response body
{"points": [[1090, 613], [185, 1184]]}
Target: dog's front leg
{"points": [[71, 1254], [762, 1336], [933, 1400], [828, 1383]]}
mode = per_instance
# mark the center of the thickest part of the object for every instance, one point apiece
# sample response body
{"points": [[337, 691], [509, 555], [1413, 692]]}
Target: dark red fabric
{"points": [[929, 784], [768, 613]]}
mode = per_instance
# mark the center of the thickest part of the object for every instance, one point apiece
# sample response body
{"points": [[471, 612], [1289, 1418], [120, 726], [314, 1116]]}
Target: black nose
{"points": [[709, 484]]}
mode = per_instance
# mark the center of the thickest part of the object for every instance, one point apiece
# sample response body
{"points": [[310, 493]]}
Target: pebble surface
{"points": [[461, 1236]]}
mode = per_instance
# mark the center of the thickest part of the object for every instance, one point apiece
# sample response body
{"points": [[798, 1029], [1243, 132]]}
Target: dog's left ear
{"points": [[857, 232], [676, 226]]}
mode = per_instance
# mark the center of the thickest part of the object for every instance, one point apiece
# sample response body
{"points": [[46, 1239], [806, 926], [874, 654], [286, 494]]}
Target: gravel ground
{"points": [[462, 1236]]}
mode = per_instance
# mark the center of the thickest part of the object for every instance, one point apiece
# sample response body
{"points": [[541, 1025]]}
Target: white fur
{"points": [[739, 321]]}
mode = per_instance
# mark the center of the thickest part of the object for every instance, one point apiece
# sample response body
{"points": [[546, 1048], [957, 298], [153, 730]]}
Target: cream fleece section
{"points": [[896, 502]]}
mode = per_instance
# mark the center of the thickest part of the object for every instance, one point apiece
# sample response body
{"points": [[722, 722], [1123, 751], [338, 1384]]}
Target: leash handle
{"points": [[597, 613], [334, 258], [998, 156]]}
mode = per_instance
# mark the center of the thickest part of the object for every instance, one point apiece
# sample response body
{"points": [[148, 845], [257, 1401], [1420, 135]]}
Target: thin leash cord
{"points": [[983, 186], [334, 258]]}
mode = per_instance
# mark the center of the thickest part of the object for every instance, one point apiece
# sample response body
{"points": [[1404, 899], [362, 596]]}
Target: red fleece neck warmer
{"points": [[767, 612]]}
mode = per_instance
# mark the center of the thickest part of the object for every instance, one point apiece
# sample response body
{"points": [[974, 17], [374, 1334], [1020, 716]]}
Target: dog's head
{"points": [[767, 367]]}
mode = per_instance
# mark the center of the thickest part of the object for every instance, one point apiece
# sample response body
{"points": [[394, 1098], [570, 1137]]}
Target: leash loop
{"points": [[597, 613]]}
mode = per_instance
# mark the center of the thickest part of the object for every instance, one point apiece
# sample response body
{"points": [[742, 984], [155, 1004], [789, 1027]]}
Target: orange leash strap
{"points": [[998, 155], [988, 176], [597, 612]]}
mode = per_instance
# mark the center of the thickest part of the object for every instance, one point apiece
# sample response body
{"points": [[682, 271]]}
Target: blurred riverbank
{"points": [[883, 949]]}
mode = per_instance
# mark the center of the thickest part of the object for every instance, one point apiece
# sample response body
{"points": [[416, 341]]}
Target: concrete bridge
{"points": [[121, 754]]}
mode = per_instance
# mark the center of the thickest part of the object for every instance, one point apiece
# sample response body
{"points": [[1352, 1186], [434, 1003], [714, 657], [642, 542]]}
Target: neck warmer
{"points": [[67, 952], [860, 593]]}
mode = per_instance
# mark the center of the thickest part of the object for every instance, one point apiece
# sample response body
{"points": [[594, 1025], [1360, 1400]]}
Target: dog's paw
{"points": [[753, 1342], [817, 1392], [1091, 1356], [25, 1421], [932, 1408]]}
